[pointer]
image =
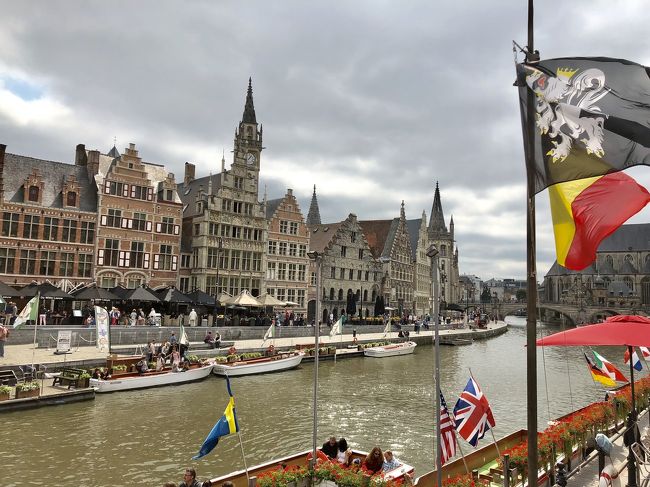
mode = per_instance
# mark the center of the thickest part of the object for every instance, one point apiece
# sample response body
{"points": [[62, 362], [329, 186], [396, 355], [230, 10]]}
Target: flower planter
{"points": [[83, 383], [4, 397], [24, 394]]}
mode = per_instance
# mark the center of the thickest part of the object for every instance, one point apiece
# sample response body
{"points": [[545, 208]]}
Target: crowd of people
{"points": [[376, 461]]}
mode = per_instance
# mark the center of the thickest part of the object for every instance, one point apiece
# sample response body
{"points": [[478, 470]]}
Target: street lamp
{"points": [[317, 257], [432, 253], [216, 297]]}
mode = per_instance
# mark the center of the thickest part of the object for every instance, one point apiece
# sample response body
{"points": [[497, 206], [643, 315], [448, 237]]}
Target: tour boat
{"points": [[262, 365], [125, 382], [390, 350]]}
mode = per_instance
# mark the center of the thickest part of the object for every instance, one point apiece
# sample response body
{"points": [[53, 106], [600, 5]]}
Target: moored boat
{"points": [[124, 382], [456, 341], [390, 350], [261, 365]]}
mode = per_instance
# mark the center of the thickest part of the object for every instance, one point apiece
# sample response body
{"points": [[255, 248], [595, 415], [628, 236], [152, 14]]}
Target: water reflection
{"points": [[147, 437]]}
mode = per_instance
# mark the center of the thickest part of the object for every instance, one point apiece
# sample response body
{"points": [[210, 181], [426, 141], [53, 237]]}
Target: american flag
{"points": [[447, 432], [473, 413]]}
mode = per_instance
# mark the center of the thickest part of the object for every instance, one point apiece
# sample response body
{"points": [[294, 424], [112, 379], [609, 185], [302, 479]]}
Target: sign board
{"points": [[63, 340]]}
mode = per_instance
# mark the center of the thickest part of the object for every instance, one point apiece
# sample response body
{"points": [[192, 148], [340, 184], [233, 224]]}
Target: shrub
{"points": [[28, 386], [5, 389]]}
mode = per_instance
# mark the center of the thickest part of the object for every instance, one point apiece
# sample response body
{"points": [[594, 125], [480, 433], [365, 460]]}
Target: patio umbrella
{"points": [[630, 331], [290, 303], [8, 291], [46, 290], [201, 299], [173, 295], [120, 291], [268, 300], [224, 298], [245, 298], [141, 294], [95, 293]]}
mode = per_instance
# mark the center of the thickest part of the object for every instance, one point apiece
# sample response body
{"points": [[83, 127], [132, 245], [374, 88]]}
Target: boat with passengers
{"points": [[255, 363]]}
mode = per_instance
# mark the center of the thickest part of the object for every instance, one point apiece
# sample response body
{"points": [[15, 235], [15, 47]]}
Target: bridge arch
{"points": [[602, 314]]}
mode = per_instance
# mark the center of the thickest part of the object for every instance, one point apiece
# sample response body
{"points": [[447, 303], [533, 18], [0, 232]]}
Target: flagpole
{"points": [[38, 300], [491, 429], [462, 454], [317, 258]]}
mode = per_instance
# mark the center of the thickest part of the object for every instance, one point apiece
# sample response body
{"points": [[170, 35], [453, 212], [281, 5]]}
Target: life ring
{"points": [[232, 350]]}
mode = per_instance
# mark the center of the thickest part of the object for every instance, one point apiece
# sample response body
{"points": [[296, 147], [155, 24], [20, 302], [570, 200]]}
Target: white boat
{"points": [[390, 350], [260, 365], [125, 382]]}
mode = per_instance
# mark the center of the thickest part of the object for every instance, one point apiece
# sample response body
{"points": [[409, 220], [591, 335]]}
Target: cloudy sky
{"points": [[372, 101]]}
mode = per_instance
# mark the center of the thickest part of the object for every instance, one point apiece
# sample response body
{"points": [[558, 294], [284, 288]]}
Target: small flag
{"points": [[270, 333], [387, 327], [183, 340], [609, 368], [599, 375], [636, 362], [645, 352], [447, 432], [336, 328], [101, 324], [473, 413], [226, 425], [29, 312]]}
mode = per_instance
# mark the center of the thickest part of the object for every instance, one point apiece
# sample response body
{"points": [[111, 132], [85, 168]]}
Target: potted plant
{"points": [[119, 369], [193, 359], [5, 392], [84, 380], [220, 359], [27, 389], [233, 357]]}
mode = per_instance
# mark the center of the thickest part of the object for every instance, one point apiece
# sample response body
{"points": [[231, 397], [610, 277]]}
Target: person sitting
{"points": [[209, 339], [375, 460], [331, 447], [400, 334], [343, 456], [390, 462], [217, 340], [185, 366], [142, 366], [160, 363], [107, 375], [189, 479], [97, 374]]}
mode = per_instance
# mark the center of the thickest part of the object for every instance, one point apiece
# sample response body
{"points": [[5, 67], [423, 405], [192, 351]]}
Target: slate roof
{"points": [[413, 227], [188, 192], [380, 235], [631, 237], [54, 174], [272, 206], [313, 216], [618, 288], [320, 235]]}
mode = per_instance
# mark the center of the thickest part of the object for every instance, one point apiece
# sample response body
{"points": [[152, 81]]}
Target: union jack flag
{"points": [[473, 413], [447, 433]]}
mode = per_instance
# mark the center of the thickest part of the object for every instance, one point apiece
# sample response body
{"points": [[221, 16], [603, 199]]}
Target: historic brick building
{"points": [[223, 220], [138, 236], [49, 214], [287, 262], [418, 232]]}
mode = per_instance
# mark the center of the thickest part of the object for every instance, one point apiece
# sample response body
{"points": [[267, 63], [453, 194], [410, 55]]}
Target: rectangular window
{"points": [[211, 285], [140, 221], [165, 259], [257, 235], [111, 252], [359, 275], [367, 275], [282, 271], [233, 286], [239, 182], [225, 230], [167, 225], [248, 208], [197, 229], [213, 257], [293, 228], [30, 227], [213, 229], [312, 280], [234, 259], [293, 249], [84, 268], [353, 237], [69, 233], [342, 274], [236, 232], [108, 282], [292, 272], [7, 259], [360, 254], [284, 226], [257, 262], [333, 272], [27, 262], [224, 259], [114, 218], [282, 249], [185, 261], [270, 271], [302, 251], [237, 206], [225, 205], [344, 250], [87, 232], [351, 274], [273, 247], [115, 188], [66, 266], [50, 228], [301, 298], [248, 232], [139, 192], [184, 286], [291, 295], [10, 224], [195, 258], [302, 272], [136, 257], [281, 294], [246, 260]]}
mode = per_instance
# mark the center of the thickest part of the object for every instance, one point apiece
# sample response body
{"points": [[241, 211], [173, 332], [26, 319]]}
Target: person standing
{"points": [[42, 315], [4, 333], [192, 318], [189, 479]]}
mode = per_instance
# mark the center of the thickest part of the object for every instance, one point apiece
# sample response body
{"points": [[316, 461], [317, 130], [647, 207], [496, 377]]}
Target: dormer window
{"points": [[71, 199], [33, 193]]}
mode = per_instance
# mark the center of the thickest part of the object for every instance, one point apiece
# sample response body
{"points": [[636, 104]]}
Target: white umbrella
{"points": [[290, 303], [268, 300]]}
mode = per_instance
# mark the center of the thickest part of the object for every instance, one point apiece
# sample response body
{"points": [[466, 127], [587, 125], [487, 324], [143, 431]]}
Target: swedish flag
{"points": [[226, 425]]}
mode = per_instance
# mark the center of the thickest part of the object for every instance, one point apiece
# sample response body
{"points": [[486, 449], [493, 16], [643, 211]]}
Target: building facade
{"points": [[139, 216], [418, 232], [287, 263], [225, 219]]}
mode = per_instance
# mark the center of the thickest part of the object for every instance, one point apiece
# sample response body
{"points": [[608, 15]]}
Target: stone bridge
{"points": [[558, 313]]}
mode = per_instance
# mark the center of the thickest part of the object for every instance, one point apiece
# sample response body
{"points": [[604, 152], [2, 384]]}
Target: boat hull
{"points": [[155, 380], [257, 367], [391, 350]]}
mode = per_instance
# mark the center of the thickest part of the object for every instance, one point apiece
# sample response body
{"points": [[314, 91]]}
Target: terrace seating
{"points": [[8, 378], [69, 376]]}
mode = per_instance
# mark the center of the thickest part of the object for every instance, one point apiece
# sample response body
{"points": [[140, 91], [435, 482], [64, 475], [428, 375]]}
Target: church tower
{"points": [[248, 140], [313, 217]]}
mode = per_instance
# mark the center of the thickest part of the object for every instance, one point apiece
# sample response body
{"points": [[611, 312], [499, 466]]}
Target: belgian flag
{"points": [[592, 120]]}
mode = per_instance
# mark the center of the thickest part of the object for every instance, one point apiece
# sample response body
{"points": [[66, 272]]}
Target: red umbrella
{"points": [[631, 331]]}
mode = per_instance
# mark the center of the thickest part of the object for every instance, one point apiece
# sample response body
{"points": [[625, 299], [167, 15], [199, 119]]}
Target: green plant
{"points": [[28, 386], [119, 367], [84, 375], [193, 359], [233, 357], [220, 359], [5, 389]]}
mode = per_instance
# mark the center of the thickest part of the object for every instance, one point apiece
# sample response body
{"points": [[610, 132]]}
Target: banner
{"points": [[101, 324], [63, 339]]}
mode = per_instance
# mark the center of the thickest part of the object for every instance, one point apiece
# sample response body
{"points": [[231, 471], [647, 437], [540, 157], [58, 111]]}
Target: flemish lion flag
{"points": [[29, 312]]}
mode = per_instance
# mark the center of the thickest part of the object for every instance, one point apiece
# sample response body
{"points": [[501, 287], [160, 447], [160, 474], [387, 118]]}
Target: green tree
{"points": [[521, 295], [485, 295]]}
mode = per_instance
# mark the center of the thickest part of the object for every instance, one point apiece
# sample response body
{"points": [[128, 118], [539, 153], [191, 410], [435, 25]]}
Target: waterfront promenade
{"points": [[25, 354]]}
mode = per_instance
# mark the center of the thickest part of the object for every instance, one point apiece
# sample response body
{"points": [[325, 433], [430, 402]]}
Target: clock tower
{"points": [[248, 139]]}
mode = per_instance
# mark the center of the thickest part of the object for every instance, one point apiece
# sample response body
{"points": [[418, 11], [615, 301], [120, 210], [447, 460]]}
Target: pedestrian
{"points": [[4, 334], [189, 479], [42, 315], [193, 318]]}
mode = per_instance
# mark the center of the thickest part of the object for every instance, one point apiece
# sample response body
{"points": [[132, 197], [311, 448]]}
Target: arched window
{"points": [[374, 295], [340, 294], [71, 199], [331, 294], [365, 295], [33, 193], [609, 260], [629, 283], [443, 251], [628, 258], [249, 132]]}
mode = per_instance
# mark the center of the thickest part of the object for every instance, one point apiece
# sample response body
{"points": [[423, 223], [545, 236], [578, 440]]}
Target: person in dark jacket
{"points": [[331, 447], [189, 479]]}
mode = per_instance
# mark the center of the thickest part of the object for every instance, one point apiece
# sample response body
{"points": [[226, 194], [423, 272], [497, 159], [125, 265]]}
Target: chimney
{"points": [[289, 192], [93, 164], [190, 171], [3, 147], [80, 158]]}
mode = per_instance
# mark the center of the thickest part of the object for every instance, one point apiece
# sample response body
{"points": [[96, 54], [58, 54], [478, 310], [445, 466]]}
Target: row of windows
{"points": [[230, 259], [333, 295], [344, 252], [350, 274], [140, 221], [36, 227], [233, 285], [34, 196], [45, 262], [283, 271], [231, 231], [136, 257], [238, 207], [282, 294], [135, 191], [401, 275], [290, 228], [287, 248], [131, 282]]}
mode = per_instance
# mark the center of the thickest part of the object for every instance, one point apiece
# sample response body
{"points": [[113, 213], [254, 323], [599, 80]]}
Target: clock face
{"points": [[250, 158]]}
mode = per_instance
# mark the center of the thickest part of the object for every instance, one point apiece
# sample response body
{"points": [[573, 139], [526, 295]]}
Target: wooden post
{"points": [[506, 470], [475, 474], [252, 482]]}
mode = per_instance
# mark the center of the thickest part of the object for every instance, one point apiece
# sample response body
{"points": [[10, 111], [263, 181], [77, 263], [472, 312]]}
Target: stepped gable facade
{"points": [[348, 268], [139, 221], [225, 220], [49, 220], [418, 232], [620, 275], [287, 263]]}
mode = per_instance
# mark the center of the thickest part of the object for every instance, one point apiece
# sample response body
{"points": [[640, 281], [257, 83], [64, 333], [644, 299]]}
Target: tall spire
{"points": [[313, 217], [402, 213], [249, 109], [437, 222]]}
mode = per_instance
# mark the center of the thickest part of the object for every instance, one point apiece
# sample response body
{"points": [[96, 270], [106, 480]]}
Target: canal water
{"points": [[147, 437]]}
